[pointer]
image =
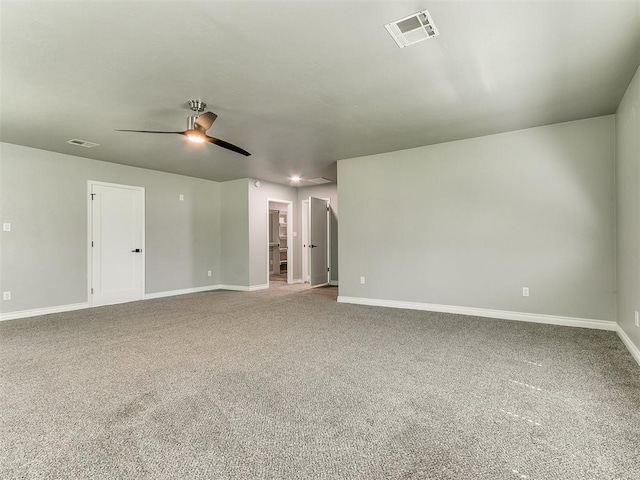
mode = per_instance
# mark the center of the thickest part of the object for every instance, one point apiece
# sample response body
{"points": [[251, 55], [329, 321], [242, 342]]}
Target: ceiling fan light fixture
{"points": [[195, 136], [196, 132]]}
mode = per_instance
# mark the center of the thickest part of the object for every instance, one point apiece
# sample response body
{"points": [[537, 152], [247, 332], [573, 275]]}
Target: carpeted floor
{"points": [[278, 279], [286, 383]]}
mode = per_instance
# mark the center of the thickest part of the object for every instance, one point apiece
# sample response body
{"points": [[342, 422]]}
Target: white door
{"points": [[305, 241], [116, 243], [318, 245]]}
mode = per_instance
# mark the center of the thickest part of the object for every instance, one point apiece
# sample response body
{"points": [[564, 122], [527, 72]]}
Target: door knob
{"points": [[312, 246], [137, 250]]}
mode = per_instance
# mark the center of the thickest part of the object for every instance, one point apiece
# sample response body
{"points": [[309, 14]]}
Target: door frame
{"points": [[305, 210], [289, 204], [90, 183]]}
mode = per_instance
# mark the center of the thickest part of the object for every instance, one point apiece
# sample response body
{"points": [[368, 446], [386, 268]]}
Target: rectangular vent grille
{"points": [[319, 180], [82, 143], [412, 29]]}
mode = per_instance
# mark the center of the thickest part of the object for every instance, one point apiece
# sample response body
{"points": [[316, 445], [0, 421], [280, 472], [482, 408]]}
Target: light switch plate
{"points": [[6, 227]]}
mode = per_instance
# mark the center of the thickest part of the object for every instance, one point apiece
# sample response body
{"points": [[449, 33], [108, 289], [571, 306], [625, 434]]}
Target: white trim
{"points": [[244, 288], [148, 296], [235, 288], [43, 311], [483, 312], [297, 280], [333, 283], [182, 291], [633, 349]]}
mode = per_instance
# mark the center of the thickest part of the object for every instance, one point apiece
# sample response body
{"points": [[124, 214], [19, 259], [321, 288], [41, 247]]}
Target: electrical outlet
{"points": [[525, 291], [6, 295], [637, 318], [208, 273], [361, 280]]}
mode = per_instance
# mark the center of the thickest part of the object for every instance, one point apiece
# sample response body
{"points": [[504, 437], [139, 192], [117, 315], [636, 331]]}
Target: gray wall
{"points": [[329, 191], [258, 225], [234, 221], [628, 208], [469, 223], [44, 195]]}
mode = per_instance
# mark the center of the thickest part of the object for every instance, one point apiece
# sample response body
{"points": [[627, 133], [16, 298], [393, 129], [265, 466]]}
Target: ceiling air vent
{"points": [[412, 29], [82, 143], [319, 180]]}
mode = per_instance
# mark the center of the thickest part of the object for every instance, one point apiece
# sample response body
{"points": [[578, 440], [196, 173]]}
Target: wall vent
{"points": [[319, 180], [82, 143], [412, 29]]}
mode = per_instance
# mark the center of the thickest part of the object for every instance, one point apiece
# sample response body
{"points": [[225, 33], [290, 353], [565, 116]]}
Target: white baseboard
{"points": [[483, 312], [633, 349], [235, 288], [333, 283], [183, 291], [43, 311], [79, 306], [244, 288], [297, 280]]}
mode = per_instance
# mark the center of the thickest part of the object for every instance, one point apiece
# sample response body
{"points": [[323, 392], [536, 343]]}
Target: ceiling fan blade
{"points": [[227, 145], [205, 120], [148, 131]]}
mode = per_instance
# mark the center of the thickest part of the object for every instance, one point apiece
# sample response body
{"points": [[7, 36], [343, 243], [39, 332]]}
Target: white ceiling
{"points": [[301, 84]]}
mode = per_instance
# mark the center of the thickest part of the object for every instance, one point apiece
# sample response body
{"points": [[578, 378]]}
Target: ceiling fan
{"points": [[197, 126]]}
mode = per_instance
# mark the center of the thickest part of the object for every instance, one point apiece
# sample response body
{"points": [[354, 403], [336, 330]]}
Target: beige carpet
{"points": [[278, 279], [286, 383]]}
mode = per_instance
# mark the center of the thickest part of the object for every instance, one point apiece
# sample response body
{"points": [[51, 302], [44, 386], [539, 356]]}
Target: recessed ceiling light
{"points": [[412, 29], [82, 143], [295, 179]]}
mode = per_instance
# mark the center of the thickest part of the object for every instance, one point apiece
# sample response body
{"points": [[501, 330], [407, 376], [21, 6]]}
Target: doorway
{"points": [[116, 243], [279, 241]]}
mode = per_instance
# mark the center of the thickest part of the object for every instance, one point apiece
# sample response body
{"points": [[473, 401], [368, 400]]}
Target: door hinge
{"points": [[92, 291], [328, 209], [92, 195], [327, 269], [92, 243]]}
